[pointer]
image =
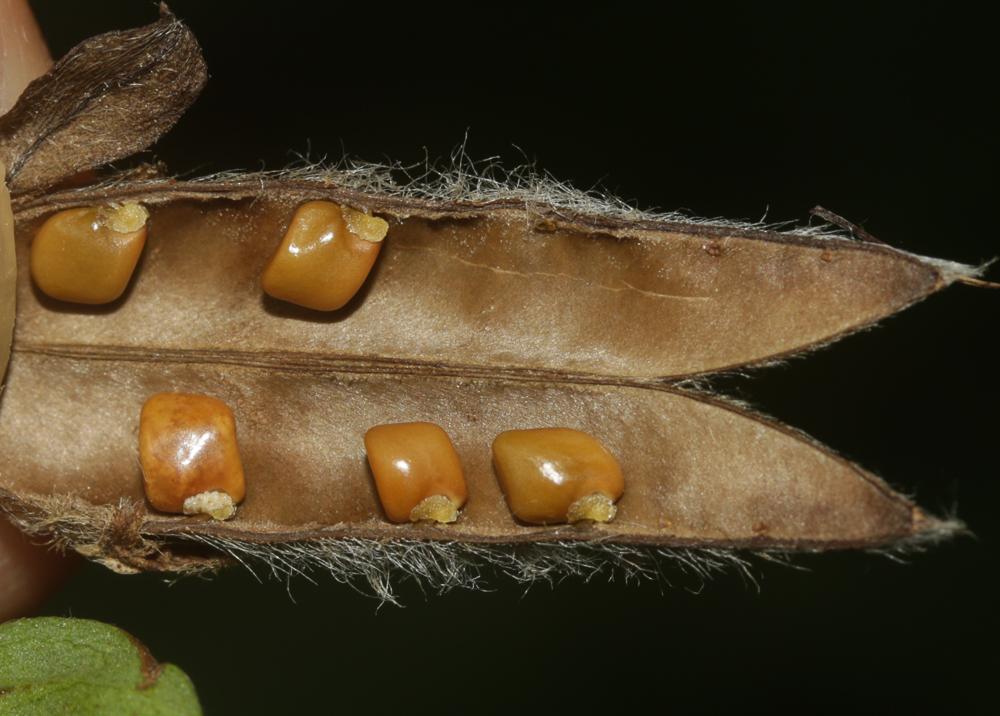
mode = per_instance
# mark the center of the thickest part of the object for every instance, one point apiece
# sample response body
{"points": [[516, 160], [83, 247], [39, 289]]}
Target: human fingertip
{"points": [[29, 573], [23, 53]]}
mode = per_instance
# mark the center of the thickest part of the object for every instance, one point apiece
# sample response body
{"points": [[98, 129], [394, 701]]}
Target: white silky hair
{"points": [[380, 567]]}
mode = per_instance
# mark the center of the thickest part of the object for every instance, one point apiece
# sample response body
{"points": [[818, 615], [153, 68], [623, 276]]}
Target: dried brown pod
{"points": [[503, 307]]}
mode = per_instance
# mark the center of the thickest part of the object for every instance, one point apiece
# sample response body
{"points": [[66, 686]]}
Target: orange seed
{"points": [[325, 257], [553, 475], [417, 472], [88, 254], [189, 456]]}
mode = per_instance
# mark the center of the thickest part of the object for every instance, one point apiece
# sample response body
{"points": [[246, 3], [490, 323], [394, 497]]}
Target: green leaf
{"points": [[51, 665]]}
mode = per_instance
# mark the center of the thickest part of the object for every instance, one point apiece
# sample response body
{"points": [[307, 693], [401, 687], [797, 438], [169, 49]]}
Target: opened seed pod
{"points": [[316, 305]]}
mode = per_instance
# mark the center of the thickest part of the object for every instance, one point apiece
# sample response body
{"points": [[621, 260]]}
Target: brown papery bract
{"points": [[512, 308], [109, 97]]}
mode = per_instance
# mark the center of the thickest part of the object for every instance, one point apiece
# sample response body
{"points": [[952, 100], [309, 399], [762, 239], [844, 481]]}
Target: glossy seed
{"points": [[417, 472], [189, 456], [553, 475], [87, 255], [325, 257]]}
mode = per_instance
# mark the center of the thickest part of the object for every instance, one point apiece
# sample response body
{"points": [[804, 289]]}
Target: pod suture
{"points": [[508, 308]]}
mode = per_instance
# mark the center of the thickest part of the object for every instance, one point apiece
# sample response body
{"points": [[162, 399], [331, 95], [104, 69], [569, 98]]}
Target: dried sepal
{"points": [[108, 98]]}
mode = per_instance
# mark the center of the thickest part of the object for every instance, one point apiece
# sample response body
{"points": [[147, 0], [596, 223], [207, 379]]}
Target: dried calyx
{"points": [[109, 97], [318, 304]]}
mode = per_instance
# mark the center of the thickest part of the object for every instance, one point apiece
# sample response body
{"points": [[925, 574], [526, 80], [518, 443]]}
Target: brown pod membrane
{"points": [[753, 483], [467, 288], [109, 97]]}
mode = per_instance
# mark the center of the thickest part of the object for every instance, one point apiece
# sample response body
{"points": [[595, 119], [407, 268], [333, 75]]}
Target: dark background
{"points": [[884, 117]]}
